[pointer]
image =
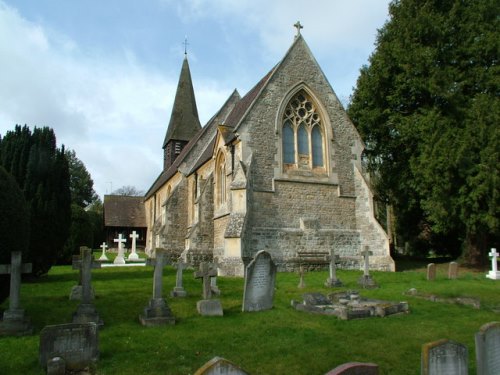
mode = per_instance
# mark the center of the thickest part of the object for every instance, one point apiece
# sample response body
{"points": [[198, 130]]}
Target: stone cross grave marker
{"points": [[133, 255], [488, 349], [103, 256], [76, 343], [333, 281], [207, 306], [355, 368], [302, 283], [444, 357], [366, 281], [494, 274], [14, 322], [213, 280], [453, 270], [77, 290], [260, 278], [179, 290], [157, 312], [431, 271], [86, 312], [220, 366], [120, 259]]}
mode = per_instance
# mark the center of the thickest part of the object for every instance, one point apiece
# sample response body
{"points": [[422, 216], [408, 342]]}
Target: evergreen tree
{"points": [[81, 183], [427, 106]]}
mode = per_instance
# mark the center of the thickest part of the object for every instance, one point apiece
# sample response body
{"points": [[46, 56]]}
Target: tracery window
{"points": [[302, 134]]}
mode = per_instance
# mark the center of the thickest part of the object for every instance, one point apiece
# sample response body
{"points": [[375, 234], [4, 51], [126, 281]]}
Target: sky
{"points": [[103, 74]]}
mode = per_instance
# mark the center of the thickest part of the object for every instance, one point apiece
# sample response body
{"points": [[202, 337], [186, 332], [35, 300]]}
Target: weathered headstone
{"points": [[86, 312], [103, 256], [366, 281], [453, 270], [133, 254], [444, 357], [120, 258], [260, 277], [56, 366], [302, 283], [178, 290], [14, 322], [494, 274], [208, 306], [431, 271], [220, 366], [77, 344], [488, 349], [333, 281], [76, 290], [213, 280], [355, 368], [157, 312]]}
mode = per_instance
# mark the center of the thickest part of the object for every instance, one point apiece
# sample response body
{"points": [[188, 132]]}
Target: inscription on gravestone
{"points": [[260, 278], [444, 357], [488, 349]]}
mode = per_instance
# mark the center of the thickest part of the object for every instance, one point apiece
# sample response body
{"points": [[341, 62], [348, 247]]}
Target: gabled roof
{"points": [[124, 211], [184, 121]]}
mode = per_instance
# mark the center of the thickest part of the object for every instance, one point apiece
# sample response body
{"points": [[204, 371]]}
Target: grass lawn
{"points": [[277, 341]]}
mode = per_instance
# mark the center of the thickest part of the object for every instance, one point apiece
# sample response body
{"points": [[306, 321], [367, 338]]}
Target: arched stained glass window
{"points": [[317, 147], [288, 143], [303, 140]]}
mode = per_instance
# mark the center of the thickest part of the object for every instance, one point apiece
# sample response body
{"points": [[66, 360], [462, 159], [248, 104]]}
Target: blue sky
{"points": [[103, 74]]}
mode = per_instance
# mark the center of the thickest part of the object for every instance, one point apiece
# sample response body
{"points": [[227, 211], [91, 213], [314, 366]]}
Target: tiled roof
{"points": [[124, 211]]}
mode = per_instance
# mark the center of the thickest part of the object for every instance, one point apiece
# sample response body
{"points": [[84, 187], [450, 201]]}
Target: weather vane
{"points": [[185, 44], [298, 26]]}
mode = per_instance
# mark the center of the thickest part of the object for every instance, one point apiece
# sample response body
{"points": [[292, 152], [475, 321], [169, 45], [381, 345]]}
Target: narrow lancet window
{"points": [[317, 147], [288, 143]]}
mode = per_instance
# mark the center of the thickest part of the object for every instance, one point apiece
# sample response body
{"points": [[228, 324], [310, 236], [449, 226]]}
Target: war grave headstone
{"points": [[453, 270], [488, 349], [120, 258], [431, 271], [103, 256], [15, 322], [213, 280], [179, 290], [76, 343], [208, 306], [355, 368], [157, 312], [333, 281], [260, 278], [133, 251], [302, 283], [444, 357], [494, 274], [366, 281], [76, 290], [220, 366], [86, 311]]}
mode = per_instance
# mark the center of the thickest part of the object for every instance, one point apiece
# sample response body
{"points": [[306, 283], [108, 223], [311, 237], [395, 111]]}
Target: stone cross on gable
{"points": [[103, 255], [133, 255], [15, 269], [298, 26], [206, 273], [366, 254], [84, 263]]}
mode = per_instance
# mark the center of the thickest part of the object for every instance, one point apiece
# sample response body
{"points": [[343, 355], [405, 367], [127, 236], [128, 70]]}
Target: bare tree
{"points": [[128, 190]]}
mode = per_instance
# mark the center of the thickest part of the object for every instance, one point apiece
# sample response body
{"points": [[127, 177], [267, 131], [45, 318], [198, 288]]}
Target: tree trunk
{"points": [[475, 249]]}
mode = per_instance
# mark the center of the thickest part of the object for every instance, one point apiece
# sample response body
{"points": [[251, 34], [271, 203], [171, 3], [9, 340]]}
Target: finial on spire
{"points": [[298, 26], [185, 45]]}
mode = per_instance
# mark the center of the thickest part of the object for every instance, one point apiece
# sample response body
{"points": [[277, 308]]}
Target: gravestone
{"points": [[431, 272], [14, 322], [157, 312], [77, 344], [213, 281], [207, 306], [444, 357], [494, 274], [76, 290], [120, 258], [355, 368], [366, 281], [86, 312], [333, 281], [103, 256], [453, 270], [302, 283], [133, 254], [178, 290], [56, 366], [220, 366], [488, 349], [260, 277]]}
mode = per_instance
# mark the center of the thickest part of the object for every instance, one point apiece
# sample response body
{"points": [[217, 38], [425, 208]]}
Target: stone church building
{"points": [[278, 169]]}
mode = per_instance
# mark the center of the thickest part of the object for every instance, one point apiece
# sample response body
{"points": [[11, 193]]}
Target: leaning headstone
{"points": [[14, 322], [76, 290], [157, 312], [494, 274], [366, 281], [444, 357], [178, 290], [355, 368], [208, 306], [453, 270], [488, 349], [333, 281], [431, 271], [220, 366], [133, 254], [260, 277], [103, 256], [86, 312], [77, 345], [120, 258]]}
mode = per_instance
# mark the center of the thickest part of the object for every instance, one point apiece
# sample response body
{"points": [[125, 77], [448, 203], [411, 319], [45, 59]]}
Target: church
{"points": [[278, 169]]}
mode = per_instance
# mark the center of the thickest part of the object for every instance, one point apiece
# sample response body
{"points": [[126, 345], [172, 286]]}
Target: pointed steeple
{"points": [[184, 121]]}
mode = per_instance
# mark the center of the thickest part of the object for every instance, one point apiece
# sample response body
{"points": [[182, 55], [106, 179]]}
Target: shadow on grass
{"points": [[414, 263]]}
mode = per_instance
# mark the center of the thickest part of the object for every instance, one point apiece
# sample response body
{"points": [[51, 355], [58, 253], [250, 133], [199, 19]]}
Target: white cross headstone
{"points": [[103, 255], [493, 274], [133, 255], [120, 258]]}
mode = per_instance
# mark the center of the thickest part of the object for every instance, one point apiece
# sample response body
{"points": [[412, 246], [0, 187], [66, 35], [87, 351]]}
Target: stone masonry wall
{"points": [[176, 211]]}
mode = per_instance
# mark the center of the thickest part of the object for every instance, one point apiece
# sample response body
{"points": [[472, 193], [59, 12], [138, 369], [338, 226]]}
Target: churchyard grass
{"points": [[277, 341]]}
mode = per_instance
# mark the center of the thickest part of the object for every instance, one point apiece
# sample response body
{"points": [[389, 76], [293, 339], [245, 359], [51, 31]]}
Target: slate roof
{"points": [[124, 211]]}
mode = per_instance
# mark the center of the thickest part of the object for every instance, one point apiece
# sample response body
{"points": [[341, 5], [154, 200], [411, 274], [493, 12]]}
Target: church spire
{"points": [[184, 121]]}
